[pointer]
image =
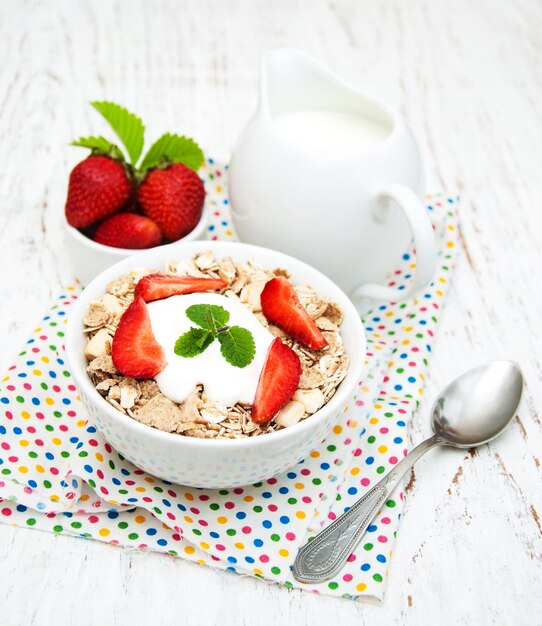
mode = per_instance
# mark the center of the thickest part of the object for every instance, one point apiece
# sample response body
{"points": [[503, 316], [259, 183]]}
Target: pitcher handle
{"points": [[424, 243]]}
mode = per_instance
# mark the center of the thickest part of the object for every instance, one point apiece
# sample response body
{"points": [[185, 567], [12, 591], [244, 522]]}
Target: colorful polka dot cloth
{"points": [[57, 473]]}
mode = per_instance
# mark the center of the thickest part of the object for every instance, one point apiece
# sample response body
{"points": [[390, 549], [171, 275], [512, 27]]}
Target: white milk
{"points": [[223, 383], [331, 130]]}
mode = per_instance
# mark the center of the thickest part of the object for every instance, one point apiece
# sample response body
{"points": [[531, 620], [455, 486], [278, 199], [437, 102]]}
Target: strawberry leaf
{"points": [[99, 145], [171, 148], [237, 346], [129, 127]]}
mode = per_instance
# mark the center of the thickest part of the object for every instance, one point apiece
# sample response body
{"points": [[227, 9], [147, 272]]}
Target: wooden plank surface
{"points": [[468, 76]]}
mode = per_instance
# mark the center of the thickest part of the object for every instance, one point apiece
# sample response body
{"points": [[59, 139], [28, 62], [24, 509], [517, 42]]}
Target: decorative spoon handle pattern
{"points": [[324, 556], [327, 553]]}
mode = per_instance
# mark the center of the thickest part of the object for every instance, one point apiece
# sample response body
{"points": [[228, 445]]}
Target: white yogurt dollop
{"points": [[223, 383]]}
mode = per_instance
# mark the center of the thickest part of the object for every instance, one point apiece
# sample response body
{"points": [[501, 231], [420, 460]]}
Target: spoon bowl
{"points": [[476, 407]]}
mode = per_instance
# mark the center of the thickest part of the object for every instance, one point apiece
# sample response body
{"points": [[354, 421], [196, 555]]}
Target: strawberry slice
{"points": [[277, 383], [135, 351], [159, 286], [282, 307]]}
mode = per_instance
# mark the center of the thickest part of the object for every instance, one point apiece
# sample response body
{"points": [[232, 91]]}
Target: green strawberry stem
{"points": [[170, 148], [100, 145]]}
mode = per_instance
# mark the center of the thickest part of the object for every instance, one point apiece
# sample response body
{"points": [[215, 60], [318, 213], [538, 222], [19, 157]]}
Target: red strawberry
{"points": [[135, 351], [98, 187], [159, 286], [278, 381], [173, 198], [128, 230], [282, 307]]}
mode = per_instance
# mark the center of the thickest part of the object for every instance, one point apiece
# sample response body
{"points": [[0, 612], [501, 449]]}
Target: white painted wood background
{"points": [[468, 76]]}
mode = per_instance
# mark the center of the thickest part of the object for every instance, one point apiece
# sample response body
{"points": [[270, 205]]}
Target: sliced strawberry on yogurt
{"points": [[160, 286], [277, 383], [135, 351], [282, 307]]}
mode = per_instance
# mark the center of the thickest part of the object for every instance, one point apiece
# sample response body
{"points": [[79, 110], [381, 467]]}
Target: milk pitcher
{"points": [[333, 176]]}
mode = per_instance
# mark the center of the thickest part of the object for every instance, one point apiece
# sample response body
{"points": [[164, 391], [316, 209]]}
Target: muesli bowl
{"points": [[214, 463]]}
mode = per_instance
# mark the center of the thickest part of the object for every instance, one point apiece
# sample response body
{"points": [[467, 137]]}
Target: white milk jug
{"points": [[332, 176]]}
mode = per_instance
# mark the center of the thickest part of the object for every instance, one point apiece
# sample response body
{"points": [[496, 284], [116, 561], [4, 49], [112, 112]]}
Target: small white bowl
{"points": [[206, 462], [90, 258]]}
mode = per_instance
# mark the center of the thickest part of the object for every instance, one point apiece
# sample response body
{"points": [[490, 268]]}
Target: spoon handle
{"points": [[326, 554]]}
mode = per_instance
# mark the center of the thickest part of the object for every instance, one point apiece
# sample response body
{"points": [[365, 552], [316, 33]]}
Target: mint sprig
{"points": [[236, 343], [169, 148]]}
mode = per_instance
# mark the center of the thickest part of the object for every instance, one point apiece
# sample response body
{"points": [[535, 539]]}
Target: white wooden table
{"points": [[468, 76]]}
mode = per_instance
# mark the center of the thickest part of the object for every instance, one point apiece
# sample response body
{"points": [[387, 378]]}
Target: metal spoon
{"points": [[474, 409]]}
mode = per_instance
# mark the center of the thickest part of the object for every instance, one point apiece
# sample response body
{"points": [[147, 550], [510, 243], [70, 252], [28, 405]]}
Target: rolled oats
{"points": [[250, 295], [105, 385], [161, 413], [101, 367], [129, 392], [96, 315], [205, 261], [112, 305], [311, 377], [280, 271], [334, 313], [324, 323], [188, 267], [227, 270]]}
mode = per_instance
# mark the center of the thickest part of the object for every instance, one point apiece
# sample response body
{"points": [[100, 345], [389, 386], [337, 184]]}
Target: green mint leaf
{"points": [[171, 148], [237, 346], [129, 127], [99, 145], [208, 316], [193, 342]]}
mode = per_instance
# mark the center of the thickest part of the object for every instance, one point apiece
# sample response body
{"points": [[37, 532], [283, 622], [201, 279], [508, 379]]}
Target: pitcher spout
{"points": [[292, 80]]}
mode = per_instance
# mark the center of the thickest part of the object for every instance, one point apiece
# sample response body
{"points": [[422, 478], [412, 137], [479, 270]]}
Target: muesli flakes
{"points": [[197, 416]]}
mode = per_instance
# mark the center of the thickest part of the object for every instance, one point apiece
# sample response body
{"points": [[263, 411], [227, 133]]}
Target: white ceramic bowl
{"points": [[90, 258], [206, 462]]}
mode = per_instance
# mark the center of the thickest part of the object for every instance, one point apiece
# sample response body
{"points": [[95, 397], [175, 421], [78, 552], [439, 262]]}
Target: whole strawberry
{"points": [[98, 187], [128, 230], [171, 193], [173, 198]]}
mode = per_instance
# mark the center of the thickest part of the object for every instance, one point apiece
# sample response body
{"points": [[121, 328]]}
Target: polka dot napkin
{"points": [[57, 473]]}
